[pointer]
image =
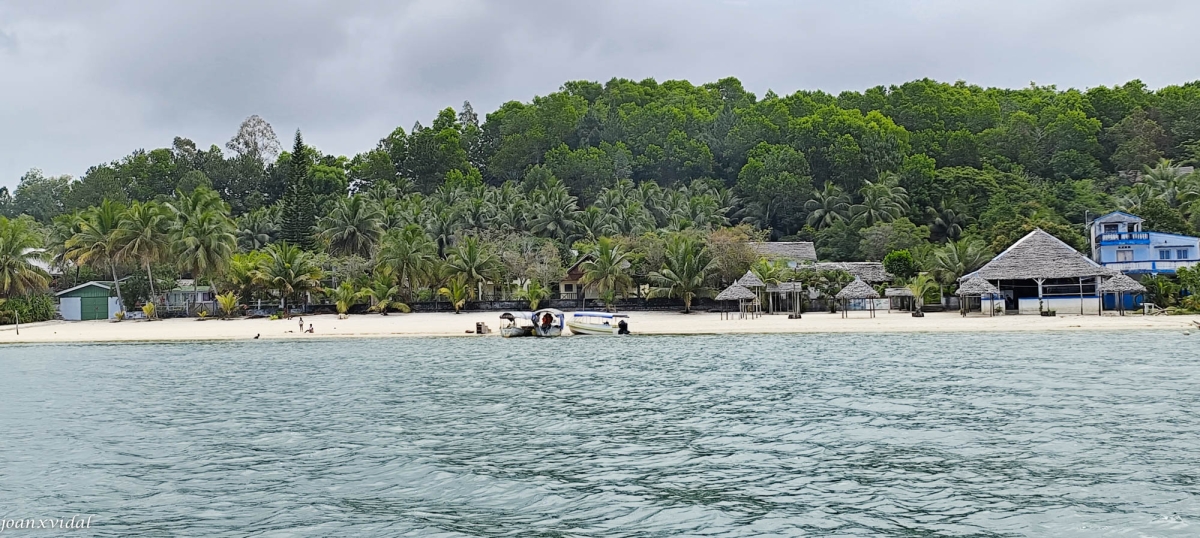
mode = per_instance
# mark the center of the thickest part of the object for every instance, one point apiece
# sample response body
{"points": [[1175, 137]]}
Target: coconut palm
{"points": [[289, 270], [535, 292], [95, 242], [828, 205], [20, 249], [458, 292], [881, 202], [922, 285], [408, 254], [685, 271], [606, 268], [203, 244], [257, 229], [244, 276], [554, 213], [383, 292], [228, 303], [946, 221], [345, 296], [953, 260], [352, 228], [474, 263], [141, 237]]}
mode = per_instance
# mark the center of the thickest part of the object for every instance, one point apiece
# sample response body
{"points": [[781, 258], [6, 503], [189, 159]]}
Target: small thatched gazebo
{"points": [[857, 291], [790, 294], [907, 299], [1119, 285], [751, 282], [977, 287], [745, 298]]}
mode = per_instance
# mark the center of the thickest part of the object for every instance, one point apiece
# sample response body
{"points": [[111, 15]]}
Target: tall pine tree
{"points": [[299, 208]]}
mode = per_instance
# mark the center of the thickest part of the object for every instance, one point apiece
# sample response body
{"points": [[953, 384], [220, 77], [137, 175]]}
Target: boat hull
{"points": [[591, 328], [513, 332]]}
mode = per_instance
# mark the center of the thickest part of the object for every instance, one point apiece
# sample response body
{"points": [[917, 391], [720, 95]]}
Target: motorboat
{"points": [[596, 323], [516, 324], [549, 322]]}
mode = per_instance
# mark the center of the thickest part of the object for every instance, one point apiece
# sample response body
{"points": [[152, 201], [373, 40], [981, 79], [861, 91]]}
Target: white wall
{"points": [[1063, 305], [114, 306], [71, 308]]}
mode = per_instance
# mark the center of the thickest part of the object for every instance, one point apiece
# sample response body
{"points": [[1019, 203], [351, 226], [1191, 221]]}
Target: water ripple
{"points": [[851, 435]]}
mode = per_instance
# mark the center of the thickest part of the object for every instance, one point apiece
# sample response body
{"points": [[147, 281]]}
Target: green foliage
{"points": [[28, 308], [228, 303], [885, 237], [685, 271], [1161, 290], [298, 212], [839, 242], [535, 292], [901, 264], [1161, 217], [20, 252], [605, 269]]}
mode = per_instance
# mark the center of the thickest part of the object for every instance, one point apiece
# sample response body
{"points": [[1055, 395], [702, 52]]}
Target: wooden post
{"points": [[1039, 283]]}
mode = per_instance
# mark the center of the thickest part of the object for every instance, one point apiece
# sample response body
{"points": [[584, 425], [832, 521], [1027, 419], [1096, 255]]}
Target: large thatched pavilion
{"points": [[857, 292], [1041, 273], [1121, 286]]}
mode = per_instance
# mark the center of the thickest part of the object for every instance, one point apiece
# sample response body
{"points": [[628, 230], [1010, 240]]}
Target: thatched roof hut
{"points": [[1121, 284], [977, 286], [750, 280], [898, 292], [798, 251], [868, 271], [736, 292], [858, 290], [1039, 255]]}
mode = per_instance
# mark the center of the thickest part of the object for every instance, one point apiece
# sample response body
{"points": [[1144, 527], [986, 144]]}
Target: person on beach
{"points": [[310, 328], [622, 327], [301, 323]]}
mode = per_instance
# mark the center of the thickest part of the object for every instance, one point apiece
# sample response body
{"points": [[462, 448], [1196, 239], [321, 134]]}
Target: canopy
{"points": [[750, 280], [858, 290], [736, 293], [1121, 284], [977, 286]]}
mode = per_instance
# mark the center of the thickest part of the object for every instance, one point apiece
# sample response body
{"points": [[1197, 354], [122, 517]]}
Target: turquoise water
{"points": [[1072, 434]]}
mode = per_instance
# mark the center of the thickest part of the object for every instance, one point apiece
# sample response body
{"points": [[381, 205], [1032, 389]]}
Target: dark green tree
{"points": [[299, 207]]}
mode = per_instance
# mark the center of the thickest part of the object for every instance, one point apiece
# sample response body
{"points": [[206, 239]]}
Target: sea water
{"points": [[1033, 434]]}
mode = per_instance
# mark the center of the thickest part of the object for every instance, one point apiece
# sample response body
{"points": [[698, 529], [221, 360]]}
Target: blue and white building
{"points": [[1120, 243]]}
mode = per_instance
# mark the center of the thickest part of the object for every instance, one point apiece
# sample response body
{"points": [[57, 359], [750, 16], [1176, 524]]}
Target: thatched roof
{"points": [[785, 287], [898, 292], [858, 290], [799, 251], [977, 286], [1121, 284], [750, 280], [868, 271], [736, 293], [1039, 255]]}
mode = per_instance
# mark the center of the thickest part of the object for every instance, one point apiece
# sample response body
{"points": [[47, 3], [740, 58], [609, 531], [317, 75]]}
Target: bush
{"points": [[901, 264], [31, 308]]}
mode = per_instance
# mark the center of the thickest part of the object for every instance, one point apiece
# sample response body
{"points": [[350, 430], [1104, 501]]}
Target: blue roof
{"points": [[1122, 213]]}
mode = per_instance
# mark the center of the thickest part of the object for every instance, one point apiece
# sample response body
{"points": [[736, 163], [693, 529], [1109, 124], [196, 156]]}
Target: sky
{"points": [[87, 82]]}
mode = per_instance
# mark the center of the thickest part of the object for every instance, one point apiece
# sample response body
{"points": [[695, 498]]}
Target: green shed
{"points": [[88, 301]]}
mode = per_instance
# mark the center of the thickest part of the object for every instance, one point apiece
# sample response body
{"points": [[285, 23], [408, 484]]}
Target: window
{"points": [[1164, 254], [568, 288], [1110, 228], [1181, 254]]}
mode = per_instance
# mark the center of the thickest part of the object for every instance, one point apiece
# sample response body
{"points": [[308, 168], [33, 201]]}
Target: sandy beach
{"points": [[449, 324]]}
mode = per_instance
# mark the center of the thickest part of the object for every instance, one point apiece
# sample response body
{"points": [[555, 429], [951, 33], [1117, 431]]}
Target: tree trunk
{"points": [[117, 283]]}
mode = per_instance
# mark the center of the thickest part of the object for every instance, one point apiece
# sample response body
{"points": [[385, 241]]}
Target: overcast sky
{"points": [[87, 82]]}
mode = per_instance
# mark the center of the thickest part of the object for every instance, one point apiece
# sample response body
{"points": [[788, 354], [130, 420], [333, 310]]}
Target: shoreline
{"points": [[641, 323]]}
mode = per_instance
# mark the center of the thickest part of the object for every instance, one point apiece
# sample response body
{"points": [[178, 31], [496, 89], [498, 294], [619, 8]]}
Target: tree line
{"points": [[951, 173]]}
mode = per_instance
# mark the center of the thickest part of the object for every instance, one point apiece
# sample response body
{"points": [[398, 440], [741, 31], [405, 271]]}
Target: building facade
{"points": [[1119, 242]]}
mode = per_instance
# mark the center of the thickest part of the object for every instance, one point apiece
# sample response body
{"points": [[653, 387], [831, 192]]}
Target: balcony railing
{"points": [[1157, 266], [1124, 238]]}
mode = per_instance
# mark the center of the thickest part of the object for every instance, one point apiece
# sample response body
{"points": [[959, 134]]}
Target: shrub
{"points": [[30, 308]]}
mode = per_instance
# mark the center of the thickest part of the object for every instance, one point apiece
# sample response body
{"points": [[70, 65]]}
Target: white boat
{"points": [[548, 322], [516, 324], [595, 323]]}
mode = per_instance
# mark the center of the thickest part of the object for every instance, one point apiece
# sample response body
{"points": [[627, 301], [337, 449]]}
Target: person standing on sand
{"points": [[301, 323]]}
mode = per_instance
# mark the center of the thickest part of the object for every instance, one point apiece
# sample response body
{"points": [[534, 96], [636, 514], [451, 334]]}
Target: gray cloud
{"points": [[87, 82]]}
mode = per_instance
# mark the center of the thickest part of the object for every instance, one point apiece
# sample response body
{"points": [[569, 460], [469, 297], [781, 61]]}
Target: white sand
{"points": [[431, 324]]}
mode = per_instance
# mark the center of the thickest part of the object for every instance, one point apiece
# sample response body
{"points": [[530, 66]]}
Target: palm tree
{"points": [[474, 263], [94, 244], [408, 254], [228, 303], [1161, 290], [457, 291], [922, 285], [606, 268], [203, 244], [20, 248], [828, 205], [882, 202], [244, 275], [685, 271], [534, 292], [946, 221], [289, 270], [554, 213], [345, 296], [142, 237], [353, 227], [383, 292], [958, 258], [257, 229]]}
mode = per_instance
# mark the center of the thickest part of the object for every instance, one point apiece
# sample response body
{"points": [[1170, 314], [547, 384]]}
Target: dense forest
{"points": [[647, 170]]}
